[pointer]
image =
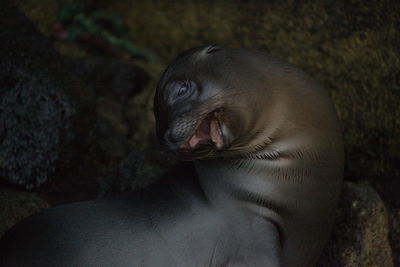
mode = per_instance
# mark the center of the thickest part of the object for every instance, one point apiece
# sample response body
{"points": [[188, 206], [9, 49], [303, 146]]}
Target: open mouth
{"points": [[208, 132]]}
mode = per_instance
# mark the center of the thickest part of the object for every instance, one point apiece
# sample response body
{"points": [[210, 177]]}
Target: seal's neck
{"points": [[230, 191], [236, 188]]}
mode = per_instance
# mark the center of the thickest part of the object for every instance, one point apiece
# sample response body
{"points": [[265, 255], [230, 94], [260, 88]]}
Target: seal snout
{"points": [[194, 136]]}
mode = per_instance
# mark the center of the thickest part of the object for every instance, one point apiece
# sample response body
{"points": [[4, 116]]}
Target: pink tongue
{"points": [[208, 130]]}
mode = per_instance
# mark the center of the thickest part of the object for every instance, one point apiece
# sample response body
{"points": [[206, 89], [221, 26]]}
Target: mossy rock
{"points": [[361, 230], [395, 235], [43, 13], [16, 205]]}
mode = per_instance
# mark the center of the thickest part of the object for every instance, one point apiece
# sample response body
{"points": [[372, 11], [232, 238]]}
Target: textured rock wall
{"points": [[35, 112], [361, 233]]}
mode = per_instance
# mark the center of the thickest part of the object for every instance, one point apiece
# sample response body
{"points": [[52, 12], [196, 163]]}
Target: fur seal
{"points": [[268, 151], [266, 140]]}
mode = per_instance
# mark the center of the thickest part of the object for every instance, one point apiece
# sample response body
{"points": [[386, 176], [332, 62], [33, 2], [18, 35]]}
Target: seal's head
{"points": [[229, 102], [196, 105]]}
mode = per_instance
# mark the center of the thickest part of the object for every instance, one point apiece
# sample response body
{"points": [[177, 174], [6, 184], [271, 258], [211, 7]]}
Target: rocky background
{"points": [[77, 81]]}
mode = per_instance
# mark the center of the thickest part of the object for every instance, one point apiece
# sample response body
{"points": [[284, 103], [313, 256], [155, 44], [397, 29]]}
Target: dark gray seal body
{"points": [[269, 156], [266, 138]]}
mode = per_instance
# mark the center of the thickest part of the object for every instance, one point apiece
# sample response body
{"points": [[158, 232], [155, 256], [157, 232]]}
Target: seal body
{"points": [[265, 137], [268, 151], [168, 224]]}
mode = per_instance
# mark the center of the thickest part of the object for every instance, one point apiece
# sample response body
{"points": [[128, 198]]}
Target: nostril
{"points": [[171, 142], [176, 134], [170, 138]]}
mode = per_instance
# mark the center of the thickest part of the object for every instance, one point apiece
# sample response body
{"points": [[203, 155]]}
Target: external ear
{"points": [[212, 48]]}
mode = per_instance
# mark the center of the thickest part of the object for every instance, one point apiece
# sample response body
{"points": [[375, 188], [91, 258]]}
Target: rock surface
{"points": [[139, 169], [16, 205], [35, 112], [110, 77], [360, 234], [395, 235]]}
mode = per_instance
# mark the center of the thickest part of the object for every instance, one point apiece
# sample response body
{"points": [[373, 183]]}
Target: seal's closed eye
{"points": [[213, 48], [178, 90], [184, 88]]}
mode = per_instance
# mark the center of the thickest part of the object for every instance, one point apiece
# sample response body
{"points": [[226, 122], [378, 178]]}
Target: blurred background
{"points": [[77, 80]]}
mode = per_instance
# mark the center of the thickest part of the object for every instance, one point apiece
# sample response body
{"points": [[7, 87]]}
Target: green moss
{"points": [[69, 49], [140, 109], [42, 13], [16, 205]]}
